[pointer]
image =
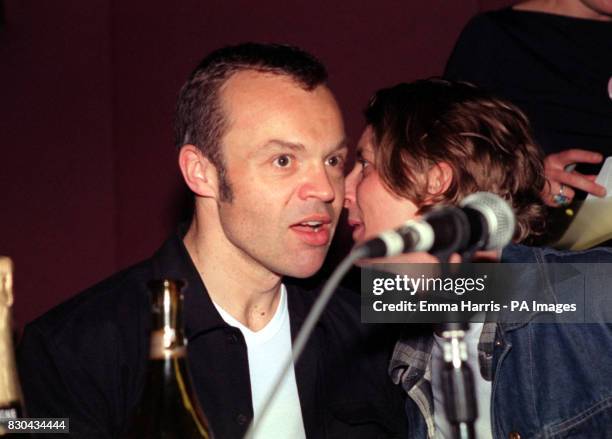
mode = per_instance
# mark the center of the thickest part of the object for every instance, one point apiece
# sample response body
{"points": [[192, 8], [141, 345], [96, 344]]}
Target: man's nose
{"points": [[318, 185]]}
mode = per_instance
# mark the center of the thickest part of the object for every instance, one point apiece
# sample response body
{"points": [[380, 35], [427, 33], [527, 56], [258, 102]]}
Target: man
{"points": [[262, 147], [434, 142]]}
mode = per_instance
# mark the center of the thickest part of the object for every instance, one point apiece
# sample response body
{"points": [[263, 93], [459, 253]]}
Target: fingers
{"points": [[566, 192], [455, 258], [578, 181], [558, 194], [564, 158], [558, 169]]}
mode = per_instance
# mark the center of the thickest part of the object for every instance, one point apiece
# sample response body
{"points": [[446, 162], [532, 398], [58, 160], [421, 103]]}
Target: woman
{"points": [[432, 142], [435, 141]]}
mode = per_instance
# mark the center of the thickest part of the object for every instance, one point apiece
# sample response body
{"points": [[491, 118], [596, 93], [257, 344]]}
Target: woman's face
{"points": [[372, 208]]}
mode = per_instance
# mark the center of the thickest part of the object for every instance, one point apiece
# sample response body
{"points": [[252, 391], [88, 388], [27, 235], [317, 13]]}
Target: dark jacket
{"points": [[86, 359]]}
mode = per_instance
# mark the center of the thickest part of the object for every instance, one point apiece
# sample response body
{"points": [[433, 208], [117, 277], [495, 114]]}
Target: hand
{"points": [[561, 179], [409, 258]]}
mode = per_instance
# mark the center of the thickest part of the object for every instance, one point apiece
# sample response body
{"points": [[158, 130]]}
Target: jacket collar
{"points": [[200, 316], [173, 261]]}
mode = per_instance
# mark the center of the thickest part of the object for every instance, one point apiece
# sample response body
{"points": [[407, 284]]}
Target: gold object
{"points": [[168, 407], [168, 340], [10, 392]]}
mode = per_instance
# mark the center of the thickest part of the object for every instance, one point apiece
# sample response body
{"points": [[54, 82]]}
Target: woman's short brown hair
{"points": [[487, 141]]}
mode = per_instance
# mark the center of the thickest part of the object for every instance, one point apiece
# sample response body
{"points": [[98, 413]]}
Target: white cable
{"points": [[305, 331]]}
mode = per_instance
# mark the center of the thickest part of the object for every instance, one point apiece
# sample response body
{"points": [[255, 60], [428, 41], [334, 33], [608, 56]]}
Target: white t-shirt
{"points": [[482, 391], [268, 350]]}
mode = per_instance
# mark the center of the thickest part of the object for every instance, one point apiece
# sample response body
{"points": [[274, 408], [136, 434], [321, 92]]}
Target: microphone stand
{"points": [[457, 381], [456, 376]]}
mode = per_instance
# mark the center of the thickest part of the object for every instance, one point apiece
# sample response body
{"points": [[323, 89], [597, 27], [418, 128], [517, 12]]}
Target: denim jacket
{"points": [[548, 380]]}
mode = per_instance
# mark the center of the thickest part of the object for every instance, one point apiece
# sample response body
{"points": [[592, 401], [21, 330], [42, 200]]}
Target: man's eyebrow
{"points": [[275, 143], [341, 145]]}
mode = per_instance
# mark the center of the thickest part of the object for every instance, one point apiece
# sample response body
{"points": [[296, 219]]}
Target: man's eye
{"points": [[335, 161], [282, 161]]}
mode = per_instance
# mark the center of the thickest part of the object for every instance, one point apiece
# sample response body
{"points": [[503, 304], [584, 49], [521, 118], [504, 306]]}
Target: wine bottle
{"points": [[11, 403], [169, 408]]}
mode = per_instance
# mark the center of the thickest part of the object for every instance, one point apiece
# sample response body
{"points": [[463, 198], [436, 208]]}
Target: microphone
{"points": [[492, 221], [483, 222]]}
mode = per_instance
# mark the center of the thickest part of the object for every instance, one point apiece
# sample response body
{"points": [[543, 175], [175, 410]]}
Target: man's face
{"points": [[284, 151], [372, 208]]}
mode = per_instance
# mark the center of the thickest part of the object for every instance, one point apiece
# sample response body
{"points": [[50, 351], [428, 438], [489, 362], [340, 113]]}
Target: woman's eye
{"points": [[364, 163], [282, 161]]}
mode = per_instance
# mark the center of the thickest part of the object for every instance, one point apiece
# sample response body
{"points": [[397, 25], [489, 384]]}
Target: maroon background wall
{"points": [[88, 180]]}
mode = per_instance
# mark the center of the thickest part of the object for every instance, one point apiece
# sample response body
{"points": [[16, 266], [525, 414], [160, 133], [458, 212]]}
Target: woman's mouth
{"points": [[358, 229]]}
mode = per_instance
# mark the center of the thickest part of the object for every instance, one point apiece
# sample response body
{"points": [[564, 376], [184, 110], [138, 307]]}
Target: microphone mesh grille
{"points": [[498, 214]]}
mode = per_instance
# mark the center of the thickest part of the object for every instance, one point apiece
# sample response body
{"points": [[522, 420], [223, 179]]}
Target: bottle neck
{"points": [[10, 393], [167, 336], [9, 386]]}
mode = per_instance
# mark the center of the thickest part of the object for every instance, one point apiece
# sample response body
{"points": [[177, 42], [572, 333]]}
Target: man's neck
{"points": [[235, 282]]}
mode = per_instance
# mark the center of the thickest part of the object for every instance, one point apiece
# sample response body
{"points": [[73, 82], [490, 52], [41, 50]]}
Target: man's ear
{"points": [[198, 172], [439, 178]]}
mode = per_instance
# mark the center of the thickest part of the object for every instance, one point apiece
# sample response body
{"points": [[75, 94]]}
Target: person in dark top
{"points": [[552, 59], [262, 146]]}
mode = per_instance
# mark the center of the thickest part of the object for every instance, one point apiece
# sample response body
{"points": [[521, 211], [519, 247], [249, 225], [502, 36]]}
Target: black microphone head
{"points": [[497, 215], [451, 230]]}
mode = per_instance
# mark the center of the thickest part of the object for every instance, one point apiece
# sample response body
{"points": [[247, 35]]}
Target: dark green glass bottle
{"points": [[168, 408], [11, 401]]}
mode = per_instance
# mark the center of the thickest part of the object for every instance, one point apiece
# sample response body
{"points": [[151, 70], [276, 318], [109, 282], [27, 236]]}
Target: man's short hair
{"points": [[199, 118], [487, 141]]}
